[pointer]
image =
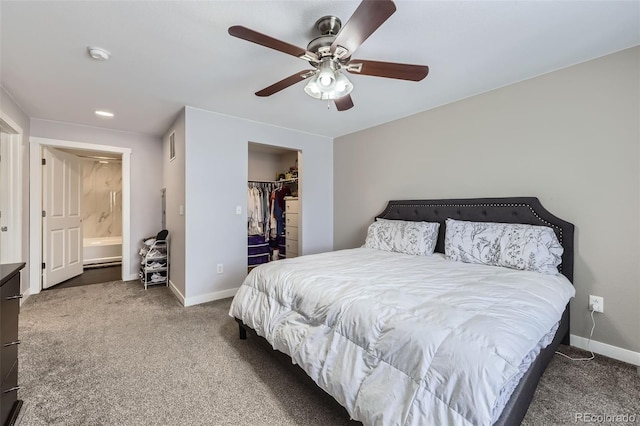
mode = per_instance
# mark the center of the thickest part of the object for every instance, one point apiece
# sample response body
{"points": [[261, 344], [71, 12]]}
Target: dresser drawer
{"points": [[291, 206], [291, 232], [291, 219], [9, 309], [8, 393], [292, 248], [11, 290], [9, 355]]}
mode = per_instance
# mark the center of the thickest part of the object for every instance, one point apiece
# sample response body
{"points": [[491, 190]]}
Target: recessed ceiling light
{"points": [[104, 113], [98, 53]]}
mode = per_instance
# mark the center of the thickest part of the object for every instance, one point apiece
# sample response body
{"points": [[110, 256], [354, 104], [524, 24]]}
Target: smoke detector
{"points": [[98, 53]]}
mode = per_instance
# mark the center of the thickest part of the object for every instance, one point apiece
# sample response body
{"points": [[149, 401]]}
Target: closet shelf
{"points": [[274, 181]]}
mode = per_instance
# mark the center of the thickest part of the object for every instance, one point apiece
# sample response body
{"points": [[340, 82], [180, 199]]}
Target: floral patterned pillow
{"points": [[400, 236], [511, 245]]}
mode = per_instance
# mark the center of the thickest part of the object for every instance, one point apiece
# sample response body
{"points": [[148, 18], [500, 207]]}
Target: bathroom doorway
{"points": [[122, 200], [86, 223]]}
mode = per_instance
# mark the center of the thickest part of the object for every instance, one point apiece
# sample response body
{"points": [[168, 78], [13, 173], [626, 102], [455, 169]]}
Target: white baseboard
{"points": [[203, 298], [176, 292], [25, 295], [605, 349], [100, 260], [210, 297]]}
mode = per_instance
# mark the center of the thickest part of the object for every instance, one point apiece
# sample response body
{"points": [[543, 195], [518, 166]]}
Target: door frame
{"points": [[35, 203], [13, 213]]}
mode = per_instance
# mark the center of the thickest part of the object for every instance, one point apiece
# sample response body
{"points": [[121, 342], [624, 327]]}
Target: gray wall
{"points": [[174, 182], [263, 165], [267, 165], [13, 111], [216, 182], [570, 137], [146, 172]]}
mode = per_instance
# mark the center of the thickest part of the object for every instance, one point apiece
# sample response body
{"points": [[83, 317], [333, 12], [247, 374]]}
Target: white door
{"points": [[3, 196], [10, 196], [62, 219]]}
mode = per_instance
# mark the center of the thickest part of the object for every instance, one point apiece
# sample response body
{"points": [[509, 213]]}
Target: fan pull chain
{"points": [[329, 104]]}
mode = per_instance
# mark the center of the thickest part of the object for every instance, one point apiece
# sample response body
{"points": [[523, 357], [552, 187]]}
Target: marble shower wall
{"points": [[102, 198]]}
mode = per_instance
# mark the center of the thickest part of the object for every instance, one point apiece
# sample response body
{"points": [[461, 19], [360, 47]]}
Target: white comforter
{"points": [[400, 339]]}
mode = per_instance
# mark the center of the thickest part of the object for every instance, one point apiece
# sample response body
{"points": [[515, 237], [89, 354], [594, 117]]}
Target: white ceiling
{"points": [[167, 54]]}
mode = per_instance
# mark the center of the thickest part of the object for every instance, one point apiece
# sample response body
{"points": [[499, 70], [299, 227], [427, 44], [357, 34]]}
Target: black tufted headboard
{"points": [[505, 210]]}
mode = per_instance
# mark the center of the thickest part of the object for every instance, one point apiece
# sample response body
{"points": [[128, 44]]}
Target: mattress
{"points": [[443, 340]]}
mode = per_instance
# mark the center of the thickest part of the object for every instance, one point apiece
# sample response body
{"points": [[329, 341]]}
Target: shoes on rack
{"points": [[149, 242], [155, 253], [156, 278], [156, 265]]}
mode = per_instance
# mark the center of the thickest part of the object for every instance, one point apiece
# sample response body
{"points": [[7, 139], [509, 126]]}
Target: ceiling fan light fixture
{"points": [[328, 83], [331, 52], [312, 88], [326, 75], [343, 85], [326, 80]]}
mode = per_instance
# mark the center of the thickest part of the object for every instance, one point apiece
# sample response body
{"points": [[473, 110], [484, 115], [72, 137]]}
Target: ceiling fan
{"points": [[330, 53]]}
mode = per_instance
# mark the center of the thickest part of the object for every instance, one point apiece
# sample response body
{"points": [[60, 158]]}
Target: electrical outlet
{"points": [[596, 303], [238, 209], [220, 268]]}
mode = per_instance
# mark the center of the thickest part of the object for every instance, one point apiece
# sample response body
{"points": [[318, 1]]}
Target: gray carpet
{"points": [[115, 354]]}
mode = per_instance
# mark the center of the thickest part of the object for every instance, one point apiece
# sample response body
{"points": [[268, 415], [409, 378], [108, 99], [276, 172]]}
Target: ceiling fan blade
{"points": [[265, 40], [388, 69], [283, 84], [369, 15], [344, 103]]}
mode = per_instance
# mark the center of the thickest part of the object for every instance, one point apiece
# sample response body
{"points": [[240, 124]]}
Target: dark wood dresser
{"points": [[9, 309]]}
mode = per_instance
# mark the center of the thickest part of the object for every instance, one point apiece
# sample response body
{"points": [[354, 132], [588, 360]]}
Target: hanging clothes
{"points": [[254, 211], [265, 218]]}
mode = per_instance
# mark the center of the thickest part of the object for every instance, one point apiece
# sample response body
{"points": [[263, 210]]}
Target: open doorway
{"points": [[121, 156], [10, 191], [273, 204], [94, 250]]}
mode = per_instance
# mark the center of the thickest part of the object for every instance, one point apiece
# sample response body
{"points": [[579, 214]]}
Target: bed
{"points": [[320, 311]]}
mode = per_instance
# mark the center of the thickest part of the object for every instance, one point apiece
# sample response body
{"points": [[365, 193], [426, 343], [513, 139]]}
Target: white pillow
{"points": [[511, 245], [401, 236]]}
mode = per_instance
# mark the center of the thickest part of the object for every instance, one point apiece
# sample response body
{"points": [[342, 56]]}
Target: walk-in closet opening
{"points": [[273, 204]]}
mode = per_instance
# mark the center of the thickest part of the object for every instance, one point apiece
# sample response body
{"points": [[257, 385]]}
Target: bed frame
{"points": [[505, 210]]}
